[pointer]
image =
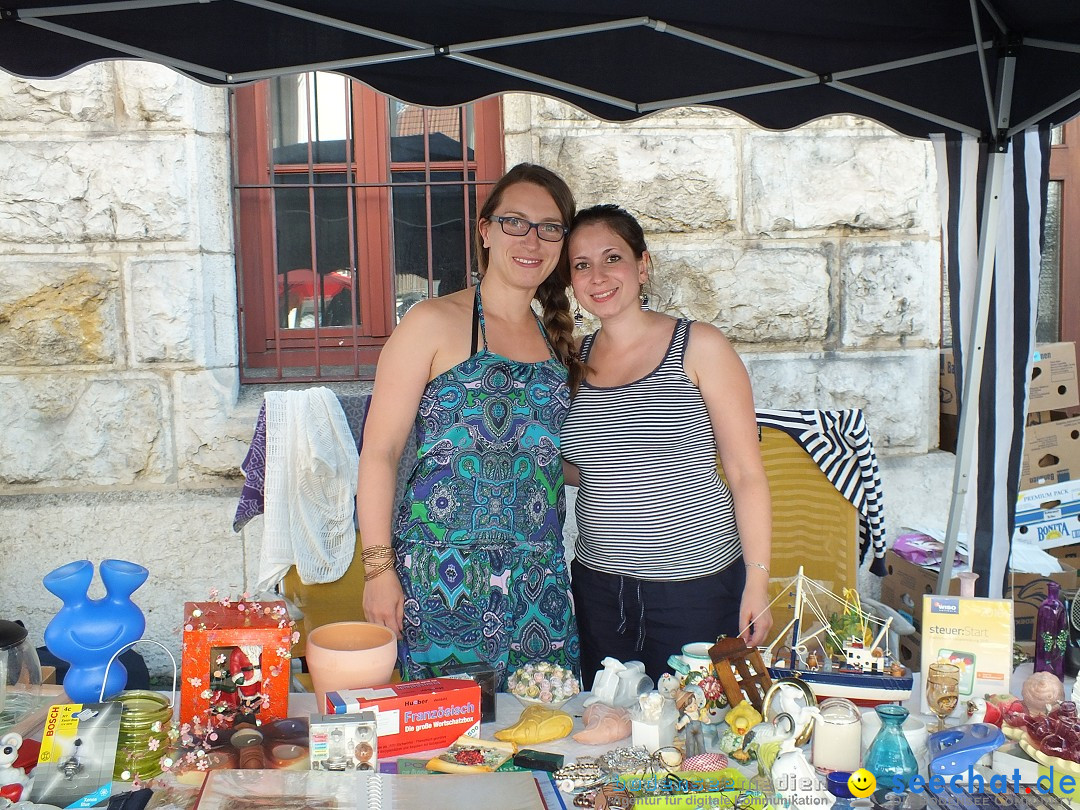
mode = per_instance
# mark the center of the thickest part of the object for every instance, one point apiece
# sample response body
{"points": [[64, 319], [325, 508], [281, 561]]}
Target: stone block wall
{"points": [[816, 251], [122, 422]]}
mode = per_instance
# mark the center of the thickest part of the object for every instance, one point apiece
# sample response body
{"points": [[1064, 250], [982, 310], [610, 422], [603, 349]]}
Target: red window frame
{"points": [[272, 353]]}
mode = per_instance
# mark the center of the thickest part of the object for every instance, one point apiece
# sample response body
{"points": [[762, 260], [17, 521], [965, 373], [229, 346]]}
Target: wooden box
{"points": [[235, 665]]}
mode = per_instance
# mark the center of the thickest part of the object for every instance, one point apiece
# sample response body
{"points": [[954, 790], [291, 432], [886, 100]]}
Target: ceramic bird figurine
{"points": [[981, 710]]}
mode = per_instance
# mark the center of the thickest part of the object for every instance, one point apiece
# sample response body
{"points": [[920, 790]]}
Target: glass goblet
{"points": [[942, 690]]}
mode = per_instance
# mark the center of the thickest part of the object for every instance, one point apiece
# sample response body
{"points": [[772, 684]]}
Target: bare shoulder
{"points": [[708, 339], [710, 355], [429, 319], [436, 331]]}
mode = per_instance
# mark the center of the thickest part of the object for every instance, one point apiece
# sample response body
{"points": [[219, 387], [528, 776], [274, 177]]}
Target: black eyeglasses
{"points": [[516, 226]]}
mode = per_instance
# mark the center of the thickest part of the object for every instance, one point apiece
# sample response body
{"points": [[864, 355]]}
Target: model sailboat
{"points": [[846, 655]]}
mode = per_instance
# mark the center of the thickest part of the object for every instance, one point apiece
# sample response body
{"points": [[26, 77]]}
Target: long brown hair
{"points": [[552, 292]]}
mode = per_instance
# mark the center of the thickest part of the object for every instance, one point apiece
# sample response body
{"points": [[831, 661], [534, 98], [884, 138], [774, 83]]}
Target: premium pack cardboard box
{"points": [[1049, 516], [415, 716], [1051, 453]]}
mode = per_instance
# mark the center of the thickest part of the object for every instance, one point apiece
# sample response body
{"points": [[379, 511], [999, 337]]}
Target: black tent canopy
{"points": [[919, 67], [987, 69]]}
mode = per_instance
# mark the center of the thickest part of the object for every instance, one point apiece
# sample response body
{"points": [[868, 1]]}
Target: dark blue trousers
{"points": [[647, 620]]}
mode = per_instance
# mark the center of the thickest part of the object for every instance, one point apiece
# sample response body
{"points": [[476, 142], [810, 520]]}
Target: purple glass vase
{"points": [[1051, 634]]}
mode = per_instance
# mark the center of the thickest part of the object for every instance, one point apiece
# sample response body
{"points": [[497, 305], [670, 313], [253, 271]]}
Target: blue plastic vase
{"points": [[88, 632]]}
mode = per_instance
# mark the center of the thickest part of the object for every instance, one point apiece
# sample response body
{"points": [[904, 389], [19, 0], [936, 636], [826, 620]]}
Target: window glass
{"points": [[309, 107], [350, 208], [431, 246]]}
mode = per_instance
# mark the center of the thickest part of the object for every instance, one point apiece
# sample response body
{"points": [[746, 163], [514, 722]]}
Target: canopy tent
{"points": [[986, 69]]}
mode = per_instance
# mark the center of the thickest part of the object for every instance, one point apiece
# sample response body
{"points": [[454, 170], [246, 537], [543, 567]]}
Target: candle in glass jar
{"points": [[837, 736]]}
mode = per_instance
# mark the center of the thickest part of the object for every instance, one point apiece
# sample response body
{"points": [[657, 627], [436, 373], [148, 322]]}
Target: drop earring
{"points": [[579, 319], [644, 299]]}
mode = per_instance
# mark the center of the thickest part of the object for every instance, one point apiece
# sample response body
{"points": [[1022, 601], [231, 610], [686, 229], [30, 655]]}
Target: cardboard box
{"points": [[1053, 378], [948, 432], [1049, 516], [947, 382], [906, 583], [910, 651], [1053, 387], [1028, 592], [1051, 453], [415, 716], [1045, 417], [235, 664]]}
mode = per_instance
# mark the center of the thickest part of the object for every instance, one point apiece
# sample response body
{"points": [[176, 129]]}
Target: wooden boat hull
{"points": [[862, 688]]}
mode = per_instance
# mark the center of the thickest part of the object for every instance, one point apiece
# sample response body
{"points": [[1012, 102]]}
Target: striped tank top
{"points": [[651, 504]]}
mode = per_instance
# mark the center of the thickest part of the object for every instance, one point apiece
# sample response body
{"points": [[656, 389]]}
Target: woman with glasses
{"points": [[471, 567], [666, 554]]}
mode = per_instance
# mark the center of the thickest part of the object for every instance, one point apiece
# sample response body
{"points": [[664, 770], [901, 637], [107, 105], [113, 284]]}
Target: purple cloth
{"points": [[252, 500], [254, 467]]}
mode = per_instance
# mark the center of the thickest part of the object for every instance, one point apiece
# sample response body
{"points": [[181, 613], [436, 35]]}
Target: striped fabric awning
{"points": [[988, 467], [839, 443]]}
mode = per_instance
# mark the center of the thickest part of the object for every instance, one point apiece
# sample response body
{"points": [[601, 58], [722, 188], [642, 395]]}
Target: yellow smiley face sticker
{"points": [[861, 783]]}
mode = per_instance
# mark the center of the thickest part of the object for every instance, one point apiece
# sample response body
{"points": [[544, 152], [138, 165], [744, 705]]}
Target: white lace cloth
{"points": [[311, 469]]}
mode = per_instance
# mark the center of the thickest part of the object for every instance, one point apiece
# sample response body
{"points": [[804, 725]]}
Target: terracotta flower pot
{"points": [[349, 655]]}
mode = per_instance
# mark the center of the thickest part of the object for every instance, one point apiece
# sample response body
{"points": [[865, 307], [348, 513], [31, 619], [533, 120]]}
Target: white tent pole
{"points": [[974, 348]]}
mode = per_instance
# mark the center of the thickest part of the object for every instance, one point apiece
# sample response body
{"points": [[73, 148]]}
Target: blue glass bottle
{"points": [[890, 756]]}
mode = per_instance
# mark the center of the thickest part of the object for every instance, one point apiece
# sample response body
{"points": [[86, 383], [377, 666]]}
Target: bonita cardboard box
{"points": [[415, 716], [1049, 516]]}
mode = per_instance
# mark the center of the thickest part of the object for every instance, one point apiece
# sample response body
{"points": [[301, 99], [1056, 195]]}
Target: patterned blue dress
{"points": [[478, 536]]}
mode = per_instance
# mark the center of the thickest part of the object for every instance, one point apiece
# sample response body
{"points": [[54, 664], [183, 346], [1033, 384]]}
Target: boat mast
{"points": [[798, 616]]}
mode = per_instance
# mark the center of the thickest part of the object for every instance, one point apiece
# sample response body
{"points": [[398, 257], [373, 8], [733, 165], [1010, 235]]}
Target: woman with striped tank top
{"points": [[666, 554]]}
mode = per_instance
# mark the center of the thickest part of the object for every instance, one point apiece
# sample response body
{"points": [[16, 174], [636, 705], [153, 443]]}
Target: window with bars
{"points": [[351, 207]]}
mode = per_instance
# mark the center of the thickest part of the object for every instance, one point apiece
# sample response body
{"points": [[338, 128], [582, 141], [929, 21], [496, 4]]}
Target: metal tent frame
{"points": [[377, 49]]}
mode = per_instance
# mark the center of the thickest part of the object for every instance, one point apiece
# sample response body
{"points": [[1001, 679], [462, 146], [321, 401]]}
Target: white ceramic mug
{"points": [[694, 657]]}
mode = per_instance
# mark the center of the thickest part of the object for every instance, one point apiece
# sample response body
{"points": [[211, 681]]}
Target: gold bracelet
{"points": [[376, 553], [378, 570], [763, 567]]}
